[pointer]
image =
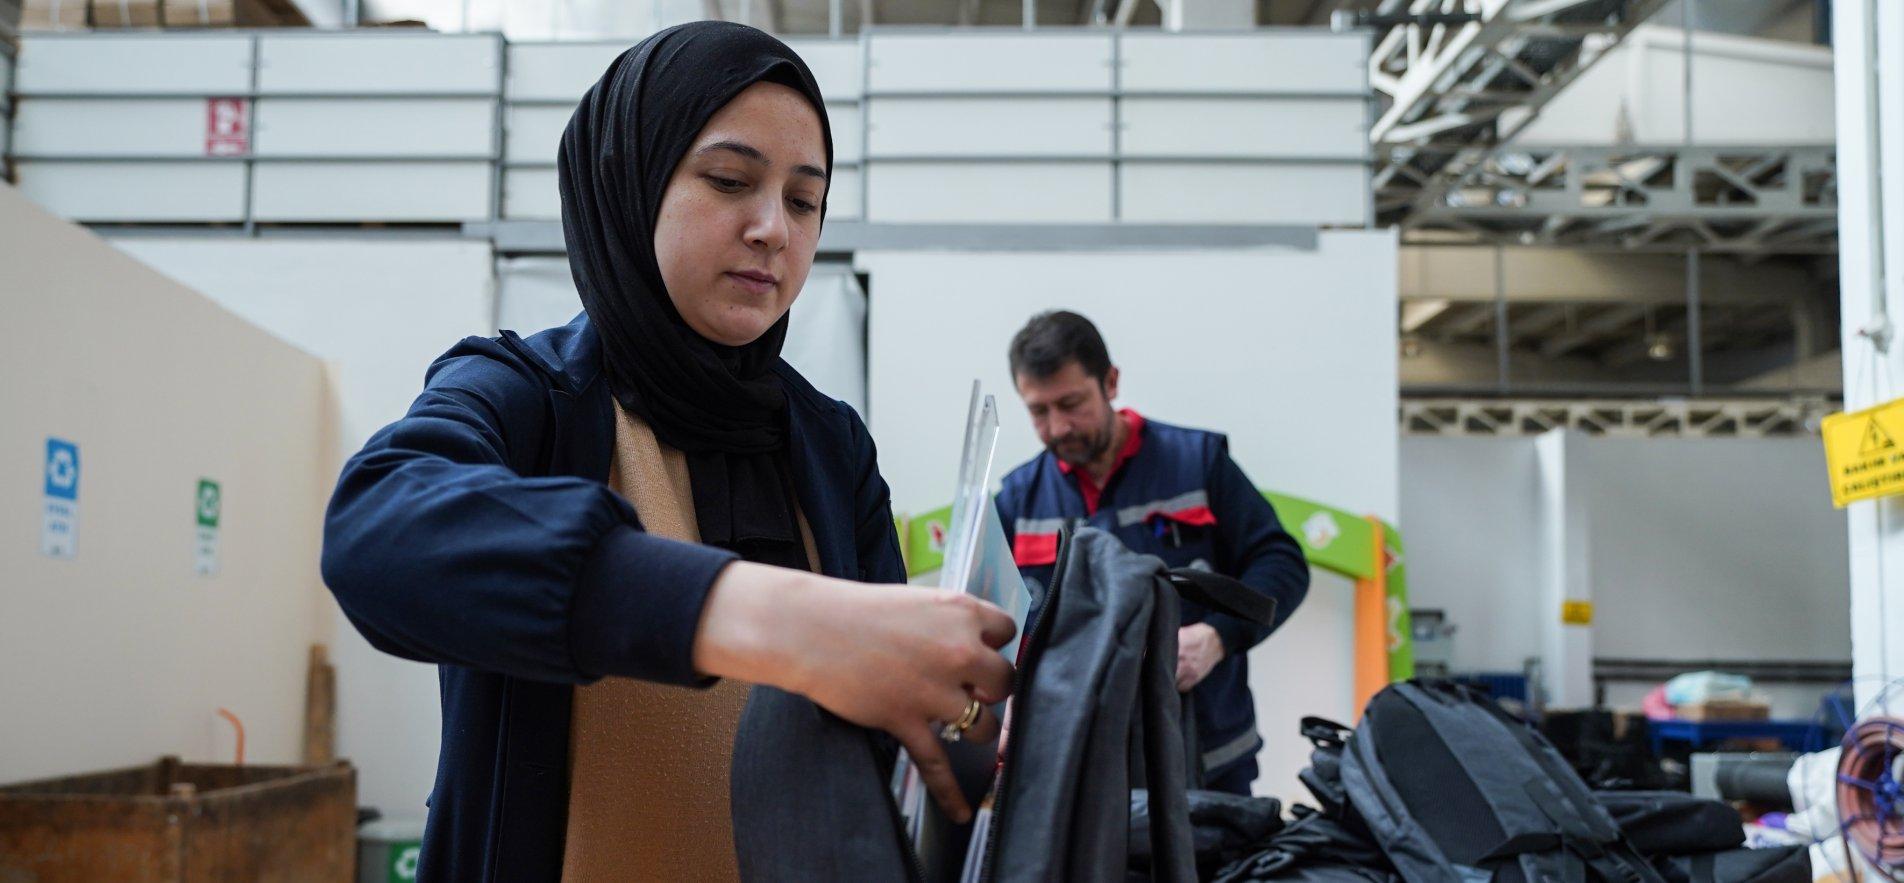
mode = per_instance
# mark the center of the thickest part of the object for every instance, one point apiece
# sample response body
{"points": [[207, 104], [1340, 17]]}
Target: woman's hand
{"points": [[893, 658]]}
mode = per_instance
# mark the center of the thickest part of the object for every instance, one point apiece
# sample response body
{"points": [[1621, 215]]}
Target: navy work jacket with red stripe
{"points": [[1179, 497]]}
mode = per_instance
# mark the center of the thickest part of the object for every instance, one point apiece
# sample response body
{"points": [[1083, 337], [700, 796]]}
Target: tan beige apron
{"points": [[648, 763]]}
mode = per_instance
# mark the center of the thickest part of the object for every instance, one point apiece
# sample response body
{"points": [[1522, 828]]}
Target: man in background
{"points": [[1163, 490]]}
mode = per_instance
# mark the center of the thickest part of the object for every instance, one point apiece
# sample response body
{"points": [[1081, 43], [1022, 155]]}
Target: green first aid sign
{"points": [[209, 507], [208, 503]]}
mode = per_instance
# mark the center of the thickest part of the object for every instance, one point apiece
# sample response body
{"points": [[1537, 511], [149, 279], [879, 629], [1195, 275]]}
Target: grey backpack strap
{"points": [[1192, 742], [1224, 595], [1172, 848]]}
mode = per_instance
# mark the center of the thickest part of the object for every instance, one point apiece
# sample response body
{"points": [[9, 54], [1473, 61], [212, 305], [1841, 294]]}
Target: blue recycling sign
{"points": [[59, 523], [62, 469]]}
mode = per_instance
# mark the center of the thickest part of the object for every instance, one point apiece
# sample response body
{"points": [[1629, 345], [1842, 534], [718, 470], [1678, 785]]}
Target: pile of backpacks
{"points": [[1439, 783], [1436, 783]]}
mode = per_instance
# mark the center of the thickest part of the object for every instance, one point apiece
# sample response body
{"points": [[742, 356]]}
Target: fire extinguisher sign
{"points": [[227, 126]]}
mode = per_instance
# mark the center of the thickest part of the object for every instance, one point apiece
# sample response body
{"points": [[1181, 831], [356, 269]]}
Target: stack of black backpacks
{"points": [[1095, 715], [1439, 783]]}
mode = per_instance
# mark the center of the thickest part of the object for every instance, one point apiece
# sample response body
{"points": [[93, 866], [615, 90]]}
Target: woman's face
{"points": [[741, 216]]}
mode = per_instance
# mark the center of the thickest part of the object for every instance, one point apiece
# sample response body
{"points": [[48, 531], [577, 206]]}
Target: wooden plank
{"points": [[320, 708]]}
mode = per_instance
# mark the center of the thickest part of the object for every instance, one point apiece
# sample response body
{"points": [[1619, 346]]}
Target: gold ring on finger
{"points": [[955, 730]]}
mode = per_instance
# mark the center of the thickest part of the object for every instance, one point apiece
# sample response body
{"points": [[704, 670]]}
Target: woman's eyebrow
{"points": [[750, 152], [736, 147]]}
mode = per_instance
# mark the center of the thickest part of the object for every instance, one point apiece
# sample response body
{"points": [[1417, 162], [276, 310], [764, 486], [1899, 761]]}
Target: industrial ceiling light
{"points": [[1515, 163], [1659, 347]]}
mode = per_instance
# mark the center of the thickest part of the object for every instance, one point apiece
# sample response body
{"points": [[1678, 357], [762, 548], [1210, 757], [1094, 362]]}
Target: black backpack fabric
{"points": [[1349, 839], [1223, 828], [1610, 750], [1323, 777], [1095, 714], [1673, 822], [1696, 840], [1783, 864], [810, 796], [1314, 847], [1454, 788]]}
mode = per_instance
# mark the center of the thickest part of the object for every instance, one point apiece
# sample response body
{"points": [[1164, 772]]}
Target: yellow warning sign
{"points": [[1875, 439], [1576, 612], [1862, 454]]}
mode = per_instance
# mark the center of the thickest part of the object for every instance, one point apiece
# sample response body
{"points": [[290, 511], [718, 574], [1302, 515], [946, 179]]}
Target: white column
{"points": [[1871, 256], [1566, 651]]}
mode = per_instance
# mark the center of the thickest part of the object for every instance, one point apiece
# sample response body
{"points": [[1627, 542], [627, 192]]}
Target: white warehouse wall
{"points": [[1291, 352], [1471, 518], [1696, 548], [379, 312], [124, 652], [1709, 548]]}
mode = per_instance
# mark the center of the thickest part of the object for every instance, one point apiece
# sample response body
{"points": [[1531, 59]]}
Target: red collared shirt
{"points": [[1133, 441]]}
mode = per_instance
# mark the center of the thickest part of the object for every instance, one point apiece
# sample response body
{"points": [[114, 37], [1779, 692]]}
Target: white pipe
{"points": [[1879, 330]]}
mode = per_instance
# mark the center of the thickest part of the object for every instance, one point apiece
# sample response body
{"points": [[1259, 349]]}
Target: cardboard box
{"points": [[199, 14], [1724, 710], [231, 13], [53, 15], [125, 13]]}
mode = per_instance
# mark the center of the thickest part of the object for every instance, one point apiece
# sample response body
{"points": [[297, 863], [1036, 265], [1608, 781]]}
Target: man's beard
{"points": [[1093, 446]]}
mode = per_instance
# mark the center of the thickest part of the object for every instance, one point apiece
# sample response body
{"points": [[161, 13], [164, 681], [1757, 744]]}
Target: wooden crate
{"points": [[172, 821]]}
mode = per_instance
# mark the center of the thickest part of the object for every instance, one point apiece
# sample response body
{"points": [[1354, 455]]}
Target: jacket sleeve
{"points": [[1252, 546], [442, 546], [874, 532]]}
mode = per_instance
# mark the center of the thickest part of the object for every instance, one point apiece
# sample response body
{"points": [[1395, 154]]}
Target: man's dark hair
{"points": [[1052, 339]]}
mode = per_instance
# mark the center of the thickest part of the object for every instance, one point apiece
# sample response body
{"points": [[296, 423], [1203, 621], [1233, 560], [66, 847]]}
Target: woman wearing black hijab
{"points": [[649, 494]]}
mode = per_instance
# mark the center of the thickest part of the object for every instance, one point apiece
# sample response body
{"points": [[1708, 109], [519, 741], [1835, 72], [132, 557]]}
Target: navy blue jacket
{"points": [[478, 533], [1181, 498]]}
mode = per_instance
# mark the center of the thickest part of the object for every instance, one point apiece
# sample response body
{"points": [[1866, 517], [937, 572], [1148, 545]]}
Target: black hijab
{"points": [[720, 405]]}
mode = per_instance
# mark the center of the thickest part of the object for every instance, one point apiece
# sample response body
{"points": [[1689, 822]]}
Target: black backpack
{"points": [[1095, 714], [1454, 788], [1673, 822]]}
